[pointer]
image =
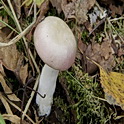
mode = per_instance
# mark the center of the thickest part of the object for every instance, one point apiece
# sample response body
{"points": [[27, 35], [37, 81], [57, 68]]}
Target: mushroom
{"points": [[56, 46]]}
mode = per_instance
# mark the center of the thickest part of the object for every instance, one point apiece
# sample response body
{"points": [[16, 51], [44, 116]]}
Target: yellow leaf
{"points": [[39, 2], [113, 86], [27, 2]]}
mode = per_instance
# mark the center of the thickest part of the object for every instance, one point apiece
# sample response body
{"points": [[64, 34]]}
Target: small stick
{"points": [[20, 29], [30, 99], [15, 106], [18, 37], [101, 22]]}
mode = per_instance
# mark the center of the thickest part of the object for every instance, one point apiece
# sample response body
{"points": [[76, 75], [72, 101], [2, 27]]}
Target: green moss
{"points": [[3, 13], [86, 93], [84, 36]]}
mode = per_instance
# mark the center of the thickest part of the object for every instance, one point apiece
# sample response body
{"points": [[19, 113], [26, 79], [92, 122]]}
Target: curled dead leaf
{"points": [[23, 73], [13, 118], [9, 56], [6, 105], [102, 53], [116, 9], [57, 4], [77, 9], [12, 97]]}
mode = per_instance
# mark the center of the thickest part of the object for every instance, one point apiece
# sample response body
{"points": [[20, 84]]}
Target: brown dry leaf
{"points": [[121, 51], [13, 118], [102, 54], [9, 56], [6, 105], [1, 68], [57, 4], [23, 73], [116, 10], [12, 97], [77, 9]]}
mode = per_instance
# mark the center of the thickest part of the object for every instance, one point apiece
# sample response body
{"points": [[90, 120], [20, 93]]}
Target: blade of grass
{"points": [[9, 26], [20, 29]]}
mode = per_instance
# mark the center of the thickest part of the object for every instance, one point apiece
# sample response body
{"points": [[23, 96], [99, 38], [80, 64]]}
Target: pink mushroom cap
{"points": [[55, 43]]}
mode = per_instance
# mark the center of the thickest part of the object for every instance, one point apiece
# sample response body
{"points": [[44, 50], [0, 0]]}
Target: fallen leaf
{"points": [[57, 5], [113, 86], [121, 51], [12, 97], [23, 73], [9, 56], [116, 10], [77, 9], [2, 120], [39, 2], [13, 118], [102, 53], [29, 2], [1, 68]]}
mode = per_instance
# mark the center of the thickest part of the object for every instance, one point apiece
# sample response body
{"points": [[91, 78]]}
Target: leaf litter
{"points": [[103, 53]]}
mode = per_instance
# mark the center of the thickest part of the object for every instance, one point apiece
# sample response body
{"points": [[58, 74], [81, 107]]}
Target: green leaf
{"points": [[27, 2], [39, 2], [2, 120]]}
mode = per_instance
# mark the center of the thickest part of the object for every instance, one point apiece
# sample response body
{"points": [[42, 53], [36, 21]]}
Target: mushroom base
{"points": [[47, 85]]}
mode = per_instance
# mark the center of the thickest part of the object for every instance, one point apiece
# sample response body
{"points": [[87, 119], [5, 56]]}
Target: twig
{"points": [[109, 22], [20, 110], [18, 37], [101, 22], [106, 31], [32, 95], [1, 7], [116, 19]]}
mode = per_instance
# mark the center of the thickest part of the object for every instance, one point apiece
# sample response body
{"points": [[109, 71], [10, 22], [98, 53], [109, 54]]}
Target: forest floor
{"points": [[92, 90]]}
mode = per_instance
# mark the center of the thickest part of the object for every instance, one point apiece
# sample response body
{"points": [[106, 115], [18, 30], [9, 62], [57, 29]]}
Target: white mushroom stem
{"points": [[47, 85]]}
